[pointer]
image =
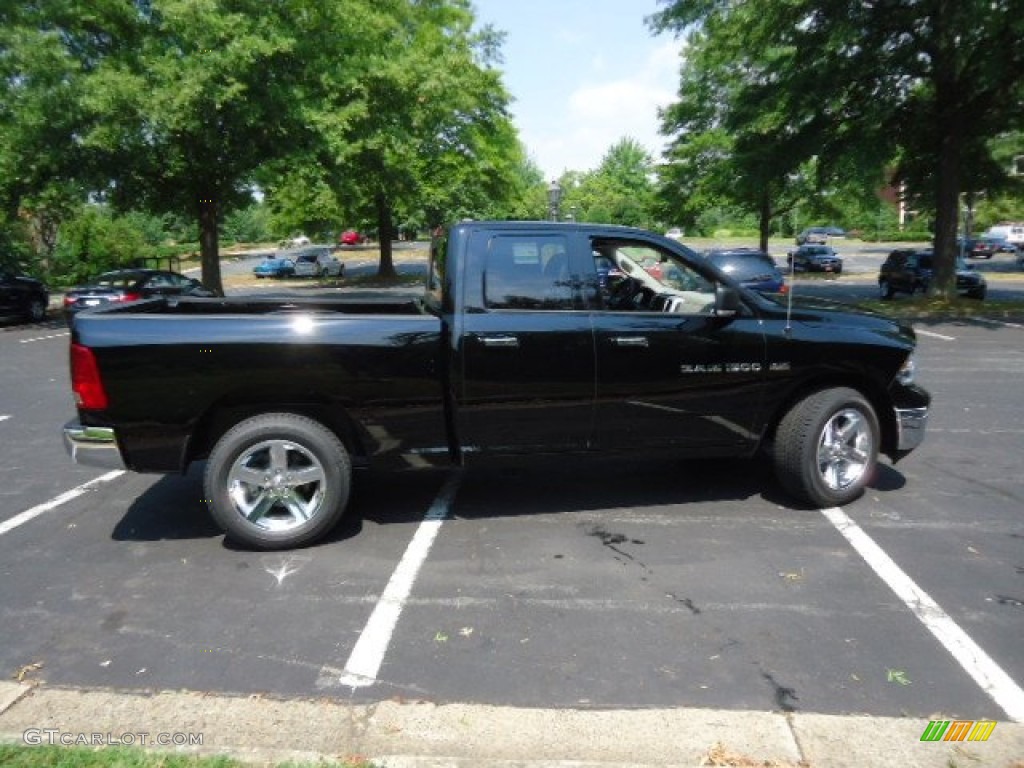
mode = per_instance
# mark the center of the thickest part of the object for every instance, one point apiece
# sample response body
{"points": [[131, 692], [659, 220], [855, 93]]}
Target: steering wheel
{"points": [[624, 293]]}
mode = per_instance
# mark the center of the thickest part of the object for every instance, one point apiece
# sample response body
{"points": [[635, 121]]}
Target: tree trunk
{"points": [[384, 229], [209, 244], [947, 217], [764, 221]]}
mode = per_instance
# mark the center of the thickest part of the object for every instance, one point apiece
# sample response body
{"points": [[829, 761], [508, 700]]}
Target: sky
{"points": [[583, 74]]}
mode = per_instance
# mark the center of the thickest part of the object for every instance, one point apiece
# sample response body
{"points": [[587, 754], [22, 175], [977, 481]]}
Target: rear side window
{"points": [[529, 272]]}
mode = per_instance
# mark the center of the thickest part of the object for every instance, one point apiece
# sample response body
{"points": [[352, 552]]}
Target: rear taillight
{"points": [[85, 379], [130, 297], [69, 300]]}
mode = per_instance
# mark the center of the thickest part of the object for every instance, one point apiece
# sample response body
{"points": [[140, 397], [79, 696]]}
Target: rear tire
{"points": [[826, 447], [885, 289], [278, 481]]}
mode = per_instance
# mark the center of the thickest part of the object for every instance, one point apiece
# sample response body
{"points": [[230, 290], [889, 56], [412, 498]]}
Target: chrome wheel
{"points": [[277, 485], [826, 447], [845, 449]]}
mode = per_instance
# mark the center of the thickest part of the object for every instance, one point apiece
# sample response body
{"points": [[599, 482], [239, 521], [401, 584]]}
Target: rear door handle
{"points": [[630, 341], [499, 341]]}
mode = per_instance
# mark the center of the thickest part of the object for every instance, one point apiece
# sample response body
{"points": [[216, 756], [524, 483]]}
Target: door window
{"points": [[529, 273], [634, 276]]}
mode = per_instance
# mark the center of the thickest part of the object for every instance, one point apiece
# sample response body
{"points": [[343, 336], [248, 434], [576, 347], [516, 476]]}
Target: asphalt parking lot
{"points": [[568, 584]]}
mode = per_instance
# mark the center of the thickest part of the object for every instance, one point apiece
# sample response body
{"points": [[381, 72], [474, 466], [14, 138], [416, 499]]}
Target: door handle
{"points": [[630, 341], [499, 341]]}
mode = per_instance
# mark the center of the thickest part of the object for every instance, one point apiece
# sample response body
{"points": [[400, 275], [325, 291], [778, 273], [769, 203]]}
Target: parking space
{"points": [[604, 583], [659, 601]]}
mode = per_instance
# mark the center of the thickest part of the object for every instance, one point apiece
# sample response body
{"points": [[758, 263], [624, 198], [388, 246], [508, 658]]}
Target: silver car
{"points": [[317, 262]]}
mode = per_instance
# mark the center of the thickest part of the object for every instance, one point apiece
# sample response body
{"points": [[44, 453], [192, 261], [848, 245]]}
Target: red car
{"points": [[352, 237]]}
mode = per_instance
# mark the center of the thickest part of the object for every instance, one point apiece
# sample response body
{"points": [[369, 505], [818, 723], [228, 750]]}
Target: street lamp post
{"points": [[554, 199]]}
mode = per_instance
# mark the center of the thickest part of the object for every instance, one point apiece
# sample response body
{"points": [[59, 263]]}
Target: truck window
{"points": [[528, 272], [635, 276]]}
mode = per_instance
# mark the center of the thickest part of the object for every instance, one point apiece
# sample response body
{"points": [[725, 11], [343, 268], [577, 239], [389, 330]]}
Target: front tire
{"points": [[278, 481], [826, 447], [885, 290], [36, 311]]}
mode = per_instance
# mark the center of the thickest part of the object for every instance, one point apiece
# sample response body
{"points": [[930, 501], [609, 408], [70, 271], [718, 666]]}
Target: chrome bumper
{"points": [[92, 446], [911, 423]]}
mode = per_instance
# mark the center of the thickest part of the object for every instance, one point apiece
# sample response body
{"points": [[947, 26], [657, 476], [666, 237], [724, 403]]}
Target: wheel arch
{"points": [[875, 394], [216, 422]]}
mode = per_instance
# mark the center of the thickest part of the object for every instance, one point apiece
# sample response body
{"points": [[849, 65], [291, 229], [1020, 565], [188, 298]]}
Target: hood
{"points": [[815, 312]]}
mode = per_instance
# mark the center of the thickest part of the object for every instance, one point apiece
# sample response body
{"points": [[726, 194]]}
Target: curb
{"points": [[401, 734]]}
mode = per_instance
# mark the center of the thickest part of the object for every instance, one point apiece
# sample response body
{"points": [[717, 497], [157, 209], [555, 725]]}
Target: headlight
{"points": [[906, 373]]}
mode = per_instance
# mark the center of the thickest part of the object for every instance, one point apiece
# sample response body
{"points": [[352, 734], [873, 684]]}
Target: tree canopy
{"points": [[189, 107], [921, 85]]}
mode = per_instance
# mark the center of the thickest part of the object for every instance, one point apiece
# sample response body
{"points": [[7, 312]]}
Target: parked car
{"points": [[351, 237], [815, 258], [274, 267], [986, 247], [907, 271], [1005, 246], [22, 297], [317, 262], [124, 285], [675, 233], [750, 267], [976, 248], [1013, 234], [813, 235]]}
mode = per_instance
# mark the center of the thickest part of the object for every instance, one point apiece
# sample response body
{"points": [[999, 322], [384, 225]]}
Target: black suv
{"points": [[22, 298], [749, 267], [815, 258], [907, 270]]}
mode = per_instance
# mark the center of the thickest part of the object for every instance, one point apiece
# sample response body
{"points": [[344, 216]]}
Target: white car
{"points": [[317, 262], [675, 233]]}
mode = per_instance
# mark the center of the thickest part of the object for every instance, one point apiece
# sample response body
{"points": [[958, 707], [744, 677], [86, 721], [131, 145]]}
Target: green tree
{"points": [[925, 82], [171, 104], [619, 191], [431, 136]]}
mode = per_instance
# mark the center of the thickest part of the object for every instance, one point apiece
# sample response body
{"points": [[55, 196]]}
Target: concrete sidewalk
{"points": [[413, 734]]}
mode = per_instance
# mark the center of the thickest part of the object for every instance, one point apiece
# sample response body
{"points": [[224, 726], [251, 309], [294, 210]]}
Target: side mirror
{"points": [[727, 301]]}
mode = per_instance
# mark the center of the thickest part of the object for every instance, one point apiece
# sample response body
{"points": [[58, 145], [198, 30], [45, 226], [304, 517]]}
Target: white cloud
{"points": [[600, 113]]}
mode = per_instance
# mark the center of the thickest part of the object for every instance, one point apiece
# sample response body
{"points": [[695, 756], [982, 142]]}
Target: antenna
{"points": [[789, 295]]}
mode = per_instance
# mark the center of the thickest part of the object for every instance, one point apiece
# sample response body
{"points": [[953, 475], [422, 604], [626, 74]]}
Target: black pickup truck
{"points": [[530, 338]]}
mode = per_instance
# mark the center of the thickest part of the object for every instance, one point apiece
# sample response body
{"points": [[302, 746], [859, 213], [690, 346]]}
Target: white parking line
{"points": [[934, 335], [979, 665], [368, 654], [4, 416], [30, 514], [45, 338]]}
